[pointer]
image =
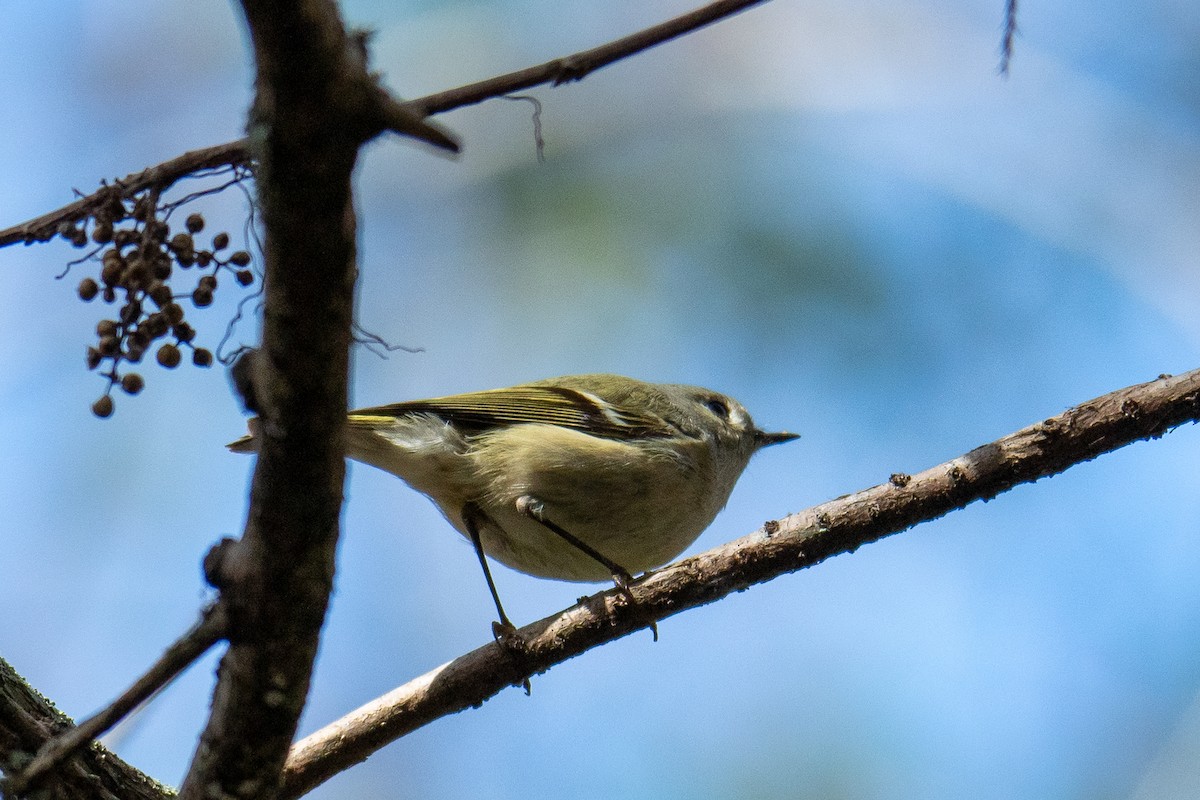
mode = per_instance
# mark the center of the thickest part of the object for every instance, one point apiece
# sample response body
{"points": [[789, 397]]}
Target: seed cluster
{"points": [[139, 258]]}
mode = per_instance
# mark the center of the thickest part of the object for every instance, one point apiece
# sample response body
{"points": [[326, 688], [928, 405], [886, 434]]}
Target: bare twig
{"points": [[160, 177], [576, 67], [406, 120], [539, 143], [1008, 36], [378, 345], [178, 657], [801, 540], [399, 116]]}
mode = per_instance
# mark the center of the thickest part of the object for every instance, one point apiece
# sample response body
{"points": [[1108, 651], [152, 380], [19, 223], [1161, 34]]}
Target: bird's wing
{"points": [[477, 412]]}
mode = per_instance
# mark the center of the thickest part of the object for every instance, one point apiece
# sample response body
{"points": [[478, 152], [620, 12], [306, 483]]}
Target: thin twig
{"points": [[162, 176], [539, 142], [560, 70], [1007, 37], [578, 66], [793, 543], [373, 342], [178, 657], [399, 117]]}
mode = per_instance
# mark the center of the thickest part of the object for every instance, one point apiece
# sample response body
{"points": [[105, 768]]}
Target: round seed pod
{"points": [[132, 383], [88, 289], [168, 355], [103, 407]]}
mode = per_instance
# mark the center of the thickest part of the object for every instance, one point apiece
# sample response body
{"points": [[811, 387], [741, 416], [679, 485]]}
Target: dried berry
{"points": [[184, 332], [134, 275], [93, 358], [195, 223], [110, 273], [181, 241], [103, 407], [245, 277], [156, 324], [160, 293], [132, 383], [88, 289], [131, 311], [241, 258], [202, 297], [221, 241], [173, 313], [168, 355], [202, 357], [102, 232], [109, 345], [143, 209], [106, 327]]}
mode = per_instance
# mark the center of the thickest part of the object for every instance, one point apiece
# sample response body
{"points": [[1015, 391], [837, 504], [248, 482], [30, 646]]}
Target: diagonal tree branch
{"points": [[28, 720], [177, 658], [560, 70], [160, 177], [1144, 411], [801, 540], [578, 66]]}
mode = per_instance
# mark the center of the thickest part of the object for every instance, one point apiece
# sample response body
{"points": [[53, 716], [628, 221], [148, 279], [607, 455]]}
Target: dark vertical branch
{"points": [[311, 87]]}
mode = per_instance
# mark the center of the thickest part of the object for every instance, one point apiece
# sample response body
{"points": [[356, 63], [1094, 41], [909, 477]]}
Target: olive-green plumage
{"points": [[634, 470]]}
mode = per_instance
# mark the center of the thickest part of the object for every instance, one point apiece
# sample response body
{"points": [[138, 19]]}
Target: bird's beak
{"points": [[766, 439]]}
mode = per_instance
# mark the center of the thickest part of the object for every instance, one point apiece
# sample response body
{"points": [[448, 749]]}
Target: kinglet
{"points": [[579, 478]]}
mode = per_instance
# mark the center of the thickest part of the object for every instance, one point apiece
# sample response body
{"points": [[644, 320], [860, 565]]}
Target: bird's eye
{"points": [[718, 407]]}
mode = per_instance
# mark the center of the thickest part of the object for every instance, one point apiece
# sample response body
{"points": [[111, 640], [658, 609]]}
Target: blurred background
{"points": [[836, 212]]}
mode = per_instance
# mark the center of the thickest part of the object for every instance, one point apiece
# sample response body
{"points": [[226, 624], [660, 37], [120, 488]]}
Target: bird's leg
{"points": [[535, 510], [504, 631]]}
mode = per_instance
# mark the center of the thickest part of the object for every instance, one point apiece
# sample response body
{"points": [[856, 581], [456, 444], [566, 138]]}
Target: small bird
{"points": [[577, 478]]}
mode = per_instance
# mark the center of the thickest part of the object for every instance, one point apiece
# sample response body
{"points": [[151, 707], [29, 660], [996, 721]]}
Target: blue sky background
{"points": [[836, 212]]}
